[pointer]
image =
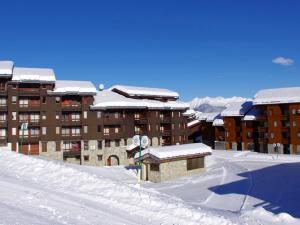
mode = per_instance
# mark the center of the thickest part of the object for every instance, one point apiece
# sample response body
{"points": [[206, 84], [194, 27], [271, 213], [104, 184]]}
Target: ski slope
{"points": [[237, 188]]}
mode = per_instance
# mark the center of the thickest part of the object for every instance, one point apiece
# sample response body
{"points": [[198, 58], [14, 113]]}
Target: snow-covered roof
{"points": [[237, 109], [73, 87], [133, 91], [107, 99], [192, 123], [208, 117], [218, 122], [6, 68], [252, 114], [175, 151], [22, 74], [189, 112], [277, 96]]}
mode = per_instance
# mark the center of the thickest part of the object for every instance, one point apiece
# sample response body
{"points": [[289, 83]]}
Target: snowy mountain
{"points": [[213, 104]]}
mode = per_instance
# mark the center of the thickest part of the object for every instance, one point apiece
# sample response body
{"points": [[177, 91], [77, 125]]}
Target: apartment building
{"points": [[75, 122]]}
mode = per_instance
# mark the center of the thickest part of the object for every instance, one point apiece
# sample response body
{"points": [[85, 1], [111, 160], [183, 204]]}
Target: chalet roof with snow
{"points": [[252, 114], [175, 151], [193, 123], [208, 117], [6, 68], [277, 96], [237, 109], [107, 99], [132, 91], [22, 74], [74, 87]]}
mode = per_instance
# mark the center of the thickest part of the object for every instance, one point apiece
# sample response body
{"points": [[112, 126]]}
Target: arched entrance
{"points": [[113, 160]]}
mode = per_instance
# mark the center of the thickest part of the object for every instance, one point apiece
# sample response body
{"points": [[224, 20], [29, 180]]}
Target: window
{"points": [[85, 114], [172, 114], [154, 167], [294, 123], [116, 115], [57, 130], [67, 145], [149, 127], [116, 130], [65, 131], [34, 118], [13, 131], [14, 100], [2, 101], [85, 145], [107, 143], [75, 131], [57, 115], [272, 135], [3, 117], [85, 129], [137, 129], [2, 132], [106, 130], [98, 115], [100, 157], [195, 163], [99, 128], [44, 130], [136, 116], [57, 146], [117, 142], [249, 134], [275, 123], [294, 111], [34, 132], [24, 133], [99, 144], [75, 117], [86, 158], [14, 115], [44, 100]]}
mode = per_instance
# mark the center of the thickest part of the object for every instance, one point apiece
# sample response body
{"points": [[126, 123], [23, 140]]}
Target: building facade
{"points": [[74, 122]]}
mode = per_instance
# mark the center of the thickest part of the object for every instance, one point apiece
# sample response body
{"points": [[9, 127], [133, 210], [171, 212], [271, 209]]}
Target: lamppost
{"points": [[24, 126], [141, 142], [276, 148]]}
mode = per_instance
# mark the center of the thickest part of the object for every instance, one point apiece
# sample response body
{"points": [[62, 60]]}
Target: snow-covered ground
{"points": [[237, 188]]}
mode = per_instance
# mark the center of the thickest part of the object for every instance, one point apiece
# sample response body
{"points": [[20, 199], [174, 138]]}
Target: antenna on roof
{"points": [[101, 87]]}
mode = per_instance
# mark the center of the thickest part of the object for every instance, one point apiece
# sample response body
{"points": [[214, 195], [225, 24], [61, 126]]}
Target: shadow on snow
{"points": [[277, 186]]}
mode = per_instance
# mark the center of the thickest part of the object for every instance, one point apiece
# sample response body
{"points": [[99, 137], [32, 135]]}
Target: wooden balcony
{"points": [[71, 106], [3, 107], [29, 91], [112, 120], [3, 123], [262, 118], [286, 141], [165, 132], [262, 140], [70, 122], [285, 117], [262, 129], [165, 119], [142, 120], [285, 129], [30, 106]]}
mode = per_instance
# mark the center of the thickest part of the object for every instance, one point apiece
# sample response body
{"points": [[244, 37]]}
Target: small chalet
{"points": [[170, 162]]}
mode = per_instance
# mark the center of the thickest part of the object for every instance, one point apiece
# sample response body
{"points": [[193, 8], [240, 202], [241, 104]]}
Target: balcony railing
{"points": [[31, 90], [140, 120], [30, 105], [285, 117], [165, 132], [166, 119], [262, 129]]}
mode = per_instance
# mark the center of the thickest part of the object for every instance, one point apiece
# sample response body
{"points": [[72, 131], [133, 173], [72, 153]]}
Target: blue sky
{"points": [[198, 48]]}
